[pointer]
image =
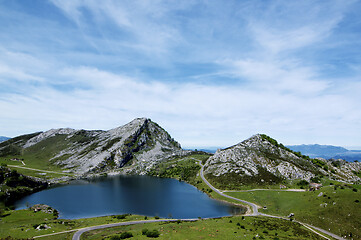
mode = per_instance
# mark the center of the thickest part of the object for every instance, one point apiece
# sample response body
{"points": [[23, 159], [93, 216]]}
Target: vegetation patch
{"points": [[182, 168], [14, 185]]}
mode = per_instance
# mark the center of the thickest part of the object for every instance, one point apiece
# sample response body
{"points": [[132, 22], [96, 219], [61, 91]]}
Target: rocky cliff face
{"points": [[134, 147], [261, 159]]}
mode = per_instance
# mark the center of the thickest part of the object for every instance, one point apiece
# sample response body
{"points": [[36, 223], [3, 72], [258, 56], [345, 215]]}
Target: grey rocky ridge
{"points": [[262, 160], [132, 148]]}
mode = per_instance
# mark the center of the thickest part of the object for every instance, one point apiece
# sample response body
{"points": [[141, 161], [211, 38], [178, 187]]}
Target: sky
{"points": [[212, 73]]}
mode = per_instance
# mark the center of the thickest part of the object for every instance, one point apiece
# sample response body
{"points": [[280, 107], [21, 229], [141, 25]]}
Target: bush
{"points": [[316, 179], [303, 183], [123, 216], [156, 217], [115, 237], [125, 235], [152, 234], [354, 189]]}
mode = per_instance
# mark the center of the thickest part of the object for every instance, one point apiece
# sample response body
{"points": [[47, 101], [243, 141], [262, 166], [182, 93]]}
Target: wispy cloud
{"points": [[212, 73]]}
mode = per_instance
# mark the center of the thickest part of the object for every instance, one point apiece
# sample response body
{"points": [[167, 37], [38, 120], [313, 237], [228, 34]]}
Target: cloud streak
{"points": [[211, 73]]}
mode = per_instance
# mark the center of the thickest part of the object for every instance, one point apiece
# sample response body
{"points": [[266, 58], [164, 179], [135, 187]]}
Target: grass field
{"points": [[223, 228], [23, 223], [337, 209]]}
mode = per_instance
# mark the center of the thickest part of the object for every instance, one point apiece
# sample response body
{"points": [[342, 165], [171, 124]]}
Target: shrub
{"points": [[115, 237], [302, 183], [354, 189], [152, 234], [156, 217], [125, 235], [316, 179], [123, 216]]}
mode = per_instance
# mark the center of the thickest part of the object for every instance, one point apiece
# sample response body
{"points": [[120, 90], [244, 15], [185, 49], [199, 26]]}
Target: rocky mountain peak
{"points": [[259, 158], [135, 146]]}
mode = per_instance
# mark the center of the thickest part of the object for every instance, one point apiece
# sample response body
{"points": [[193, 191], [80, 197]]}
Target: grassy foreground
{"points": [[23, 224], [223, 228], [334, 208]]}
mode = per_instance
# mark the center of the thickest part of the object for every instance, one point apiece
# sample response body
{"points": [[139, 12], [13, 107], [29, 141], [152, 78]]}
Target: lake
{"points": [[142, 195]]}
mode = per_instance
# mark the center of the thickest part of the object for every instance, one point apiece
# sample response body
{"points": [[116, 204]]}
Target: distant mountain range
{"points": [[327, 152], [2, 138]]}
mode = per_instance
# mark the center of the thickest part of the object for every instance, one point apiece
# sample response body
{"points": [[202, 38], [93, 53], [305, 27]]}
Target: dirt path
{"points": [[39, 170]]}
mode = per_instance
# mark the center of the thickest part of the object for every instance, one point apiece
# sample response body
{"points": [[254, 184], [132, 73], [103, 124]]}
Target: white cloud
{"points": [[195, 114], [211, 73]]}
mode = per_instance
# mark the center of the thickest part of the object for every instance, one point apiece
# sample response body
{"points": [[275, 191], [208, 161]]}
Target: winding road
{"points": [[77, 235], [254, 207], [256, 213]]}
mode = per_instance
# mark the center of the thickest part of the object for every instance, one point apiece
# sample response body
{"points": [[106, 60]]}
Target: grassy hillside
{"points": [[14, 185], [181, 168], [338, 208], [40, 156]]}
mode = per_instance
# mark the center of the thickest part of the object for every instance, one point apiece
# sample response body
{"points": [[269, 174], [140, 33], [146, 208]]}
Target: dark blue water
{"points": [[142, 195]]}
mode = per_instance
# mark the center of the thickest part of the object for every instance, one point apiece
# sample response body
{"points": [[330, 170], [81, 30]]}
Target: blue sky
{"points": [[212, 73]]}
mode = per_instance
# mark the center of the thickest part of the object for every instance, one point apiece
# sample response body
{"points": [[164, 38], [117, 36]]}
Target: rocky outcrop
{"points": [[257, 154], [262, 159]]}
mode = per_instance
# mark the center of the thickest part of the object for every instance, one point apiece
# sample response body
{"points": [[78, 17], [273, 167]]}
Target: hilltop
{"points": [[134, 148], [262, 160]]}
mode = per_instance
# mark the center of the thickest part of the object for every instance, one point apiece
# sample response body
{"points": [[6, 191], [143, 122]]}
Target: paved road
{"points": [[77, 235], [254, 206], [256, 213]]}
